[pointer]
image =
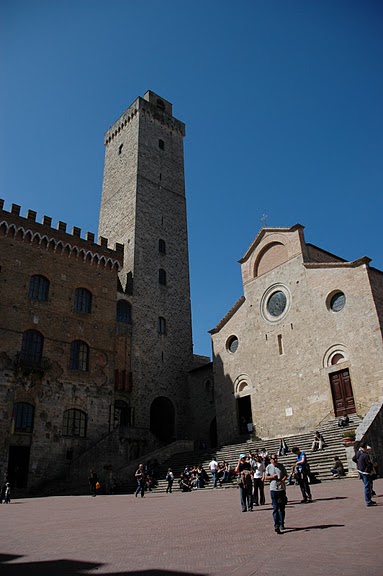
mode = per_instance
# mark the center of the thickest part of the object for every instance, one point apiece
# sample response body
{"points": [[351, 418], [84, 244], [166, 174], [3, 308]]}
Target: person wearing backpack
{"points": [[302, 474], [365, 471]]}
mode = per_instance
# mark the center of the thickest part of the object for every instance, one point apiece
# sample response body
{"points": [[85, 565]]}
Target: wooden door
{"points": [[342, 395]]}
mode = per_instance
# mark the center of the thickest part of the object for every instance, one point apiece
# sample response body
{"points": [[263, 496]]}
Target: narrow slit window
{"points": [[280, 344], [161, 144]]}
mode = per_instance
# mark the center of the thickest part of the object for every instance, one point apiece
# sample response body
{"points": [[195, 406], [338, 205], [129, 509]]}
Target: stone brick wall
{"points": [[202, 413], [28, 248], [143, 201]]}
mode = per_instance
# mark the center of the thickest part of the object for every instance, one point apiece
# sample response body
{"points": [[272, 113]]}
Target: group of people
{"points": [[253, 470], [196, 477], [250, 472]]}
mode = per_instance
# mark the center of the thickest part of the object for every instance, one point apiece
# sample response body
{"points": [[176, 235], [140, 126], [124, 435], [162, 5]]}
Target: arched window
{"points": [[161, 246], [38, 288], [32, 347], [122, 414], [161, 144], [162, 276], [79, 355], [161, 325], [22, 417], [161, 104], [124, 312], [82, 300], [74, 423]]}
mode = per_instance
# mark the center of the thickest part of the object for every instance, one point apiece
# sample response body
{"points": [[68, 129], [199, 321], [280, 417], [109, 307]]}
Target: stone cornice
{"points": [[354, 264]]}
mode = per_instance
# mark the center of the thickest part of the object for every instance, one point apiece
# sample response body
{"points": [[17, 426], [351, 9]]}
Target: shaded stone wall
{"points": [[68, 262]]}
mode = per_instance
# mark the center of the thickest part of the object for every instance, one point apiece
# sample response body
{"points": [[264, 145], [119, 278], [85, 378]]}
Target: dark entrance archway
{"points": [[18, 465], [162, 419], [245, 416], [122, 414], [342, 393]]}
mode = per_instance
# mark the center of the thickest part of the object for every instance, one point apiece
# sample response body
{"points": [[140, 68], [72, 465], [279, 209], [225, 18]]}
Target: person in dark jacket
{"points": [[93, 479], [365, 470]]}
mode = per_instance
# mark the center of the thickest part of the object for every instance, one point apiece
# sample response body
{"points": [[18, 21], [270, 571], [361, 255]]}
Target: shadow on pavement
{"points": [[70, 568], [317, 527]]}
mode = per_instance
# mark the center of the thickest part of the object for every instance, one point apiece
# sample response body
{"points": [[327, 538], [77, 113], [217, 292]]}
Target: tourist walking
{"points": [[7, 493], [365, 471], [245, 484], [141, 481], [259, 487], [277, 475], [302, 474], [93, 481]]}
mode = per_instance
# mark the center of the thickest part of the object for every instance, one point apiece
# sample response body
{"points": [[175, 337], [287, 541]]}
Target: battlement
{"points": [[58, 240], [151, 104]]}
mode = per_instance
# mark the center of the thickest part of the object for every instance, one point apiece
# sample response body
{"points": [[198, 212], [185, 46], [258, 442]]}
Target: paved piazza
{"points": [[196, 533]]}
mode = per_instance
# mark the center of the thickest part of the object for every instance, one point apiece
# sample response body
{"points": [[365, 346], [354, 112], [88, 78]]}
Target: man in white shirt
{"points": [[214, 471], [277, 475]]}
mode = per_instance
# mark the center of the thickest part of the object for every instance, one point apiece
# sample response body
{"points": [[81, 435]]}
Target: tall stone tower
{"points": [[143, 207]]}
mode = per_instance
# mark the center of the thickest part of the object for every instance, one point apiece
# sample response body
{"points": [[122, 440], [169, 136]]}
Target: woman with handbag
{"points": [[93, 481]]}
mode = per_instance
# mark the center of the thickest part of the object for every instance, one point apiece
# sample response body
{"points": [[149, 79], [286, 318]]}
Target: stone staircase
{"points": [[320, 461]]}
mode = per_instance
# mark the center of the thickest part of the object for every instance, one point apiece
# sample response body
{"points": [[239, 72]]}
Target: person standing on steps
{"points": [[277, 475], [302, 474], [214, 471], [170, 479]]}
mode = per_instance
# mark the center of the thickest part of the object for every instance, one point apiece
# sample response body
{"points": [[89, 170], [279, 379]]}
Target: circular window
{"points": [[338, 302], [276, 304], [232, 344]]}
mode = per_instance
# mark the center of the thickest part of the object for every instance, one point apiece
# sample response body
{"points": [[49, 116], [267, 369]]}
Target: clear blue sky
{"points": [[282, 100]]}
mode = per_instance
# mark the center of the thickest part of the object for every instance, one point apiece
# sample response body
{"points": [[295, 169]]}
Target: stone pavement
{"points": [[194, 534]]}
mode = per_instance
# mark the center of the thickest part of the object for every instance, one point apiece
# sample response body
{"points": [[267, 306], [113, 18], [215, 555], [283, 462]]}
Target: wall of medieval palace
{"points": [[57, 344]]}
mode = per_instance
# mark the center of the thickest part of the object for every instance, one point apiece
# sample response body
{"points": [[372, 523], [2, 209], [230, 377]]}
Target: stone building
{"points": [[143, 207], [96, 343], [304, 342], [58, 350]]}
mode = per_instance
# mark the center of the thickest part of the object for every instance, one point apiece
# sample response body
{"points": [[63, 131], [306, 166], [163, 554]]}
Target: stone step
{"points": [[320, 462]]}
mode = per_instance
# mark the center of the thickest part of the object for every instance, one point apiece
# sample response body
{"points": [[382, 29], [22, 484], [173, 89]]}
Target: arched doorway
{"points": [[162, 419], [122, 414], [342, 393], [245, 417]]}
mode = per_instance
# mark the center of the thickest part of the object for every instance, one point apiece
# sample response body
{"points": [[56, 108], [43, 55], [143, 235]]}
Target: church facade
{"points": [[304, 342]]}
